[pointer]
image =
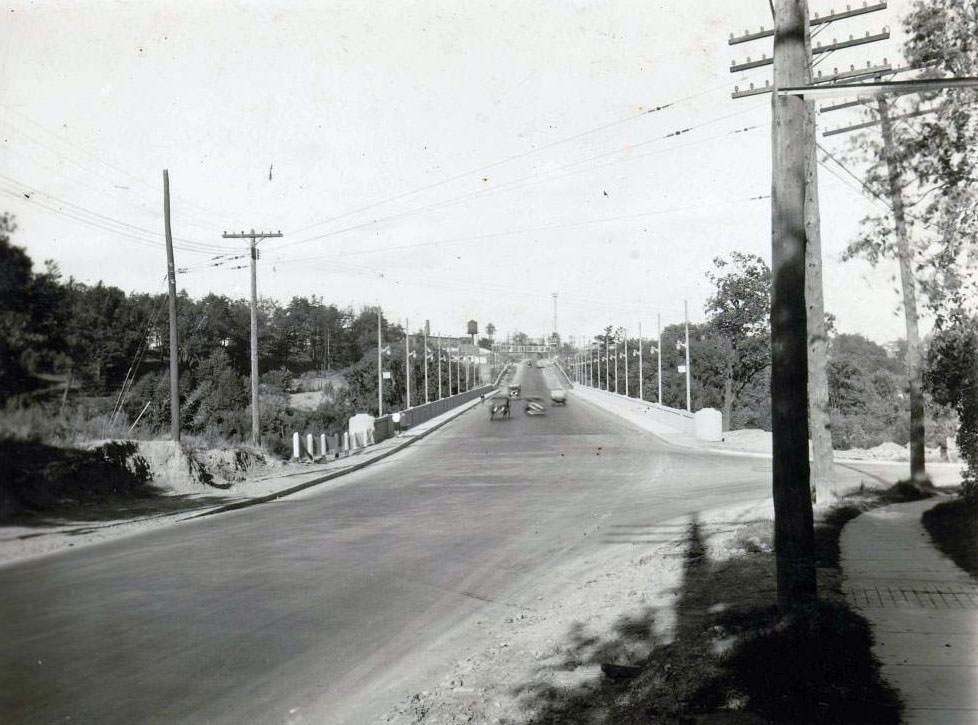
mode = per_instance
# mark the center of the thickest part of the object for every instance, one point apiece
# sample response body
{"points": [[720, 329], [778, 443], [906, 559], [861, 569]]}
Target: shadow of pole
{"points": [[733, 658]]}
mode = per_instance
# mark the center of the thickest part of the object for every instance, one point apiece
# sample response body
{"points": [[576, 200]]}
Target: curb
{"points": [[465, 407]]}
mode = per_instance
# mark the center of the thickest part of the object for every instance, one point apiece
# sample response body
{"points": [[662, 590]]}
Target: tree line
{"points": [[731, 353], [106, 352]]}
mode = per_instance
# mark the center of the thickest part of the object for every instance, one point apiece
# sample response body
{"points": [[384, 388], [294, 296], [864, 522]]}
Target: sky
{"points": [[447, 160]]}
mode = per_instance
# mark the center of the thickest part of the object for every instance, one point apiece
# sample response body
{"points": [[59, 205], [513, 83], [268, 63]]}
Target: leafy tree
{"points": [[952, 378], [739, 312], [16, 279]]}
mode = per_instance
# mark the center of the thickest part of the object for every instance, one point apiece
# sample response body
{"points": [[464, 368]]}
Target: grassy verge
{"points": [[733, 656], [953, 526]]}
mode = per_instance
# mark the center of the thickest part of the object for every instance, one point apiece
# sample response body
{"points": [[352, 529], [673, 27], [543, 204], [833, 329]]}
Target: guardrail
{"points": [[681, 420], [384, 427]]}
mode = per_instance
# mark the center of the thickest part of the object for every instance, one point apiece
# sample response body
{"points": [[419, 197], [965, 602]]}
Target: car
{"points": [[534, 405], [499, 405]]}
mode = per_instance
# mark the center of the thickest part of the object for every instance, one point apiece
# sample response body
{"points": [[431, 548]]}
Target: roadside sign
{"points": [[681, 368], [387, 375]]}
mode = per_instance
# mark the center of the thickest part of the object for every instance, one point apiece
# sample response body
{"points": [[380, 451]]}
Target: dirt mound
{"points": [[185, 469], [36, 478]]}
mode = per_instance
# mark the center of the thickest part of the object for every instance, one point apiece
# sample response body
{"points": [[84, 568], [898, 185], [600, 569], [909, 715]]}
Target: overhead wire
{"points": [[435, 205], [511, 158], [179, 242], [527, 230], [85, 152]]}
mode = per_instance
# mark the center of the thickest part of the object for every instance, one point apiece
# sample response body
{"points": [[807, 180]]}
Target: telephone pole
{"points": [[555, 314], [254, 237], [407, 363], [641, 389], [171, 277], [380, 364], [689, 406], [658, 349], [792, 129]]}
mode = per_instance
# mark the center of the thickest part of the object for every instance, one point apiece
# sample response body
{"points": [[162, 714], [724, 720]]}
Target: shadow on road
{"points": [[43, 486], [732, 657]]}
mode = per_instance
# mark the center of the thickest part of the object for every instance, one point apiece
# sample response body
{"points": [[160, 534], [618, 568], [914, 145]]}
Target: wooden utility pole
{"points": [[641, 388], [658, 350], [794, 537], [171, 278], [822, 482], [255, 408], [689, 405], [380, 366], [426, 326], [407, 363], [819, 421]]}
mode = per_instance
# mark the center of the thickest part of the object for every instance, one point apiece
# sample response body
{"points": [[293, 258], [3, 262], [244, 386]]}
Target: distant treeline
{"points": [[113, 349]]}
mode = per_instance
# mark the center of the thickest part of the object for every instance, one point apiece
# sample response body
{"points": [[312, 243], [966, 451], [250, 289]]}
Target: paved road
{"points": [[320, 607]]}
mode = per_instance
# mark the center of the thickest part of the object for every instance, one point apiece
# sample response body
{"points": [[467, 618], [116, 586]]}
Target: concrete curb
{"points": [[465, 407]]}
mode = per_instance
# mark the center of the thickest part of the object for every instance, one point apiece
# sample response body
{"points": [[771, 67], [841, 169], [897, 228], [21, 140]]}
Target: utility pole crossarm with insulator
{"points": [[254, 237]]}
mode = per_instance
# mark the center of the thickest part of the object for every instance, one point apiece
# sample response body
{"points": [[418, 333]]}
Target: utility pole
{"points": [[641, 384], [626, 363], [616, 364], [171, 277], [819, 423], [555, 314], [439, 366], [380, 366], [426, 359], [407, 362], [658, 349], [689, 406], [254, 237], [792, 131]]}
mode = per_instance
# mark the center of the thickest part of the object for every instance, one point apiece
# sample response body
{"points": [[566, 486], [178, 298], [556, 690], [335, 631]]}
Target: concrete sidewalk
{"points": [[922, 608]]}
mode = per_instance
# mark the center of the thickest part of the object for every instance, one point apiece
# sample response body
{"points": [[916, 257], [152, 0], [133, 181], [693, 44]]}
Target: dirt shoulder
{"points": [[682, 631]]}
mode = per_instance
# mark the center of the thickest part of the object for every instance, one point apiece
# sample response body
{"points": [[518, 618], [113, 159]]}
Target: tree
{"points": [[739, 312], [940, 155], [952, 378], [16, 278], [926, 169]]}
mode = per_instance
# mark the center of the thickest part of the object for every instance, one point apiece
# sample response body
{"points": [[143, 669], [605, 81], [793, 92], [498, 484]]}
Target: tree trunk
{"points": [[918, 473], [819, 422]]}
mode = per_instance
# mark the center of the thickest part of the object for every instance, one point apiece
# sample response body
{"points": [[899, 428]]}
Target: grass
{"points": [[735, 657], [953, 526]]}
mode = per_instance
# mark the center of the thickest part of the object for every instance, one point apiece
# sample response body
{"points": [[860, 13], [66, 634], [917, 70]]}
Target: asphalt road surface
{"points": [[323, 607]]}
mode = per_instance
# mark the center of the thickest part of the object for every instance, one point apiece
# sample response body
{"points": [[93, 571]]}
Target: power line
{"points": [[528, 230], [188, 244], [85, 152], [513, 157], [480, 192]]}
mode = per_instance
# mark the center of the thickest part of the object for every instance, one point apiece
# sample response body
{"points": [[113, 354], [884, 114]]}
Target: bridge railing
{"points": [[384, 427]]}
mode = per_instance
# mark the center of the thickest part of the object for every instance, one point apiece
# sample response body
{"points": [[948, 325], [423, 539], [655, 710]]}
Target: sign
{"points": [[396, 417], [523, 348], [386, 375], [681, 368]]}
